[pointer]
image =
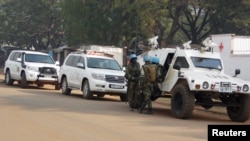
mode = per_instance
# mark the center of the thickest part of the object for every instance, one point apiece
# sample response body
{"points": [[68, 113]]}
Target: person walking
{"points": [[132, 74]]}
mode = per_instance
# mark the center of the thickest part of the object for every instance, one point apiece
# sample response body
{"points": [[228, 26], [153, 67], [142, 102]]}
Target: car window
{"points": [[81, 60], [69, 61], [75, 60], [12, 55], [15, 55], [103, 63], [182, 62], [38, 58]]}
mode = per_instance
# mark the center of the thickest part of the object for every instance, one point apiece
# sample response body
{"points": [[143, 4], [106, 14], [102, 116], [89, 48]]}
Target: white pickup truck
{"points": [[196, 77]]}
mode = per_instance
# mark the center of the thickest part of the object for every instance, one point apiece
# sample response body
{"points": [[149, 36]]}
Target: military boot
{"points": [[149, 111]]}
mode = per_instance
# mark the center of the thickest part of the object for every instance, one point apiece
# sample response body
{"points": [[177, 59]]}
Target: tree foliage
{"points": [[44, 23], [31, 23]]}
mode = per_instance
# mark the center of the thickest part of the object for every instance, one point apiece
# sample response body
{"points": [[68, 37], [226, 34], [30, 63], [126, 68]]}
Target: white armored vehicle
{"points": [[196, 77]]}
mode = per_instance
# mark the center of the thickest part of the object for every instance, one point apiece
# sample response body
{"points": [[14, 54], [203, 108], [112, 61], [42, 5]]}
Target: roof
{"points": [[30, 52]]}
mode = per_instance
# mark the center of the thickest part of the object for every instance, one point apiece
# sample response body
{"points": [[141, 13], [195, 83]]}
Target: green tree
{"points": [[31, 23], [113, 22]]}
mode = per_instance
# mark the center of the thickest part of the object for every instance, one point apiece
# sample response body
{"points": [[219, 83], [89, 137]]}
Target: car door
{"points": [[79, 72], [74, 72], [67, 68], [16, 66]]}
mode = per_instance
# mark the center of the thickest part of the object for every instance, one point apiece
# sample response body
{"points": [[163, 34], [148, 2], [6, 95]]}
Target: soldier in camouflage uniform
{"points": [[132, 74], [146, 87]]}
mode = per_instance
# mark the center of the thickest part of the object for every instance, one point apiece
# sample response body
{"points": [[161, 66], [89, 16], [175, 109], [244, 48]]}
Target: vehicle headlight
{"points": [[31, 68], [205, 85], [245, 88], [98, 76]]}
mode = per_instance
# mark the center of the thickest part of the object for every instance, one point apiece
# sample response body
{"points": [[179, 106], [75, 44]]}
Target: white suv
{"points": [[31, 67], [92, 74]]}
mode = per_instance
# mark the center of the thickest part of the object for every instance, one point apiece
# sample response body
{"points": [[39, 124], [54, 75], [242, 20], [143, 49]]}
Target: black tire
{"points": [[24, 83], [182, 102], [123, 97], [86, 93], [64, 86], [8, 79], [240, 113]]}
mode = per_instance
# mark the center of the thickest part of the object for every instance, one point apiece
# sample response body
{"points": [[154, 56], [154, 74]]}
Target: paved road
{"points": [[46, 115]]}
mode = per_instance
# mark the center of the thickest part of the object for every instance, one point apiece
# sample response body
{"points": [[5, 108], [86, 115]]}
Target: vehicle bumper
{"points": [[106, 87], [41, 78]]}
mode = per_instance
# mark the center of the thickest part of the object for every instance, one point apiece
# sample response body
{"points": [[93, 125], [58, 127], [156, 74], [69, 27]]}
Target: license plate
{"points": [[116, 86], [225, 87]]}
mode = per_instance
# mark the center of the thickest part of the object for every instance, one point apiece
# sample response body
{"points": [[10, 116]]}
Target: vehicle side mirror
{"points": [[177, 66], [57, 63], [237, 72], [80, 65], [19, 59], [124, 69]]}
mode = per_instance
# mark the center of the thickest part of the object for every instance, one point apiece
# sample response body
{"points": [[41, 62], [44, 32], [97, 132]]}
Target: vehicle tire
{"points": [[182, 102], [24, 83], [240, 113], [8, 79], [86, 93], [64, 86], [123, 97]]}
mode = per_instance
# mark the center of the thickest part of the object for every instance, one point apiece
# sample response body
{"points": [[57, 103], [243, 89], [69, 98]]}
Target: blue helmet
{"points": [[155, 60], [132, 56], [147, 58]]}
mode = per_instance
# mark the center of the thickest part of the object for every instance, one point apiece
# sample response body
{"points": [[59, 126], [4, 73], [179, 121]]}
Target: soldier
{"points": [[160, 76], [146, 85], [132, 74]]}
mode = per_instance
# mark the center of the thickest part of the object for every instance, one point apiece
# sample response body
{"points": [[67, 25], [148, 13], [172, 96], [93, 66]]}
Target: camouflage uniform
{"points": [[146, 89], [132, 74]]}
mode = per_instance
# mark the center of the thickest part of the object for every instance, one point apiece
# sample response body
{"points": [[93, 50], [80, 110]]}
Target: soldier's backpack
{"points": [[156, 73], [151, 68]]}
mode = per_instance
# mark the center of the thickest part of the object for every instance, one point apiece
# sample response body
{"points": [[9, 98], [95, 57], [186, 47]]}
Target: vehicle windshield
{"points": [[38, 58], [102, 63], [209, 63]]}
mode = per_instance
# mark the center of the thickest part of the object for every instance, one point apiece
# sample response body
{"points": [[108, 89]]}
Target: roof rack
{"points": [[93, 52]]}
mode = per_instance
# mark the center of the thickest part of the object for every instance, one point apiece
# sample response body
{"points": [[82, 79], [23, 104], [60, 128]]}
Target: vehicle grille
{"points": [[47, 70], [115, 79]]}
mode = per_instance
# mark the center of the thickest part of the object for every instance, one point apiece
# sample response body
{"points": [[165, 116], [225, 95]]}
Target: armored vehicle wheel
{"points": [[86, 90], [24, 83], [65, 89], [8, 79], [182, 102], [240, 113]]}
